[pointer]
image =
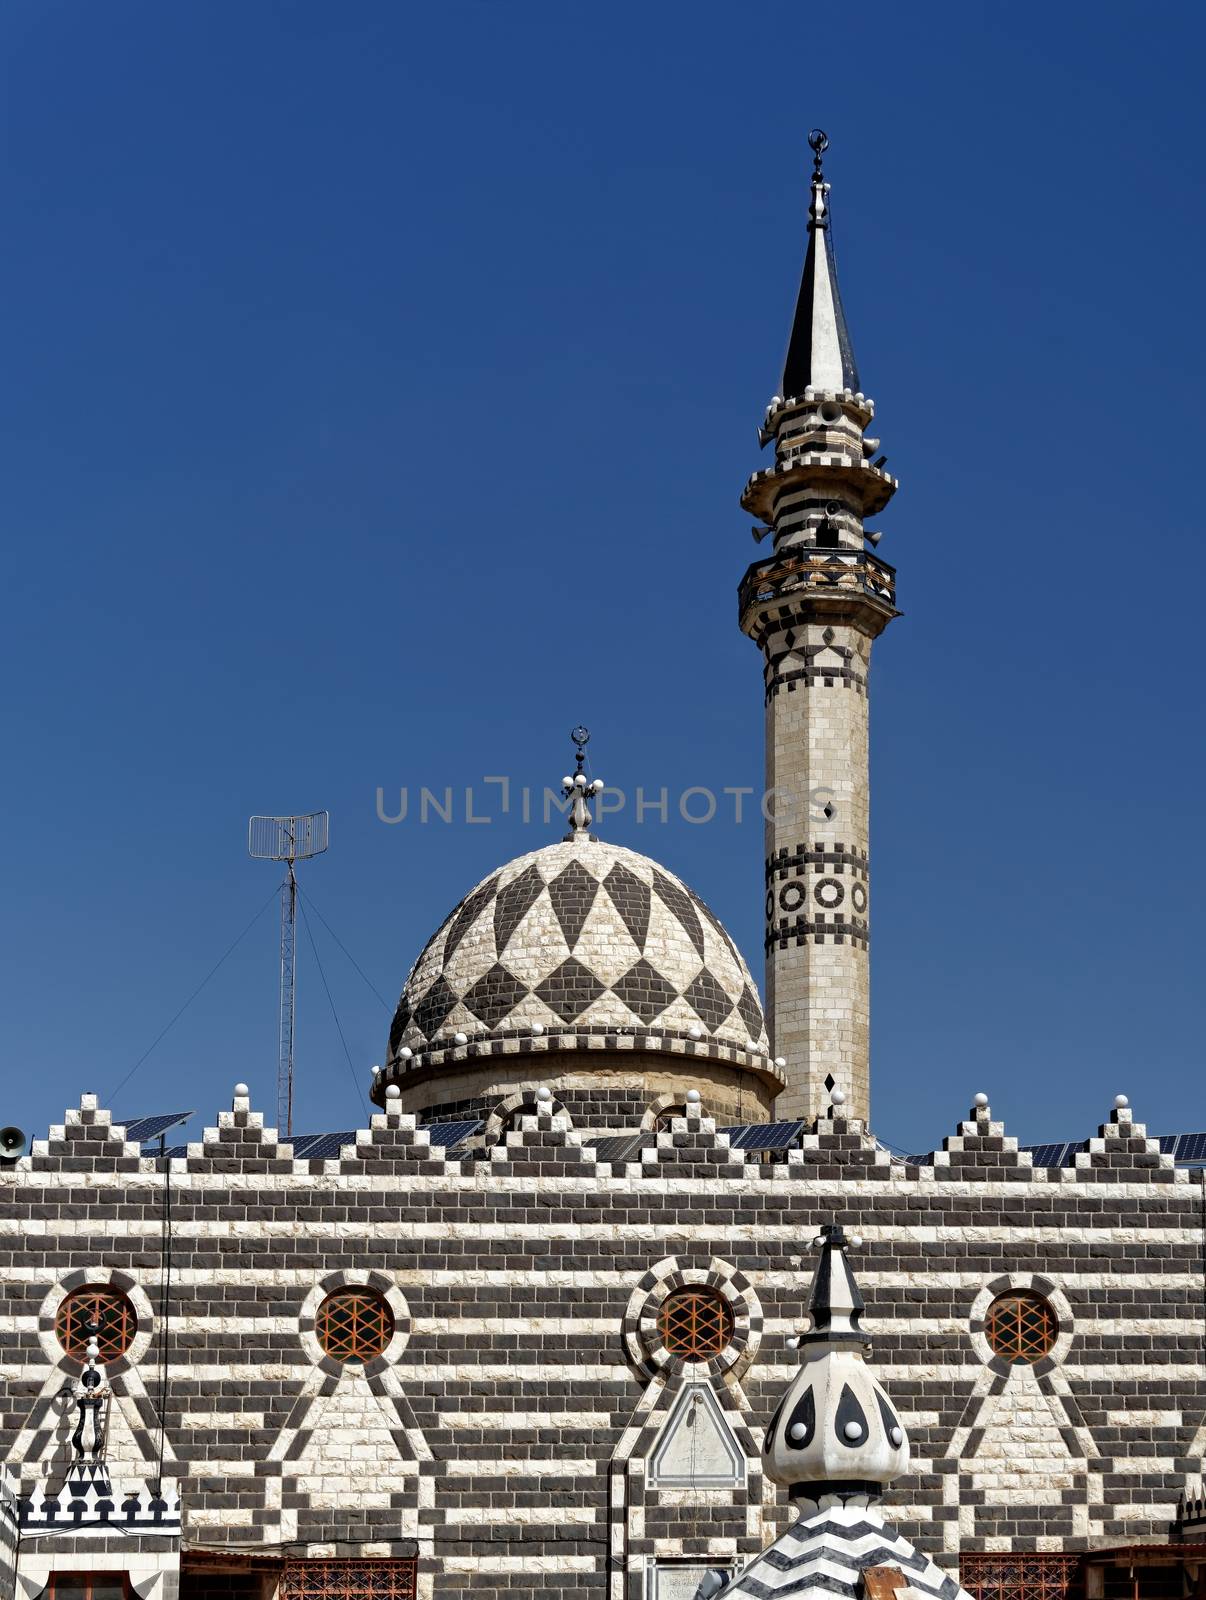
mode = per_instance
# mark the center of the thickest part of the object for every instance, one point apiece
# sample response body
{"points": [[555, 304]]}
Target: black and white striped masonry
{"points": [[835, 1443]]}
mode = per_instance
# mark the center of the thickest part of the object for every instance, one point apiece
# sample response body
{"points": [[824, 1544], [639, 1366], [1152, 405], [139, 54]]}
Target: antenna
{"points": [[287, 839]]}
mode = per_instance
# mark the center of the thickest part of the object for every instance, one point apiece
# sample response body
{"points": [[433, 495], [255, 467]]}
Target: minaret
{"points": [[813, 607]]}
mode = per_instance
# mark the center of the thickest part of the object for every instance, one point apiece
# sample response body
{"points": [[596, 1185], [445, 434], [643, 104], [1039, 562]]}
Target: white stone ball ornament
{"points": [[241, 1091]]}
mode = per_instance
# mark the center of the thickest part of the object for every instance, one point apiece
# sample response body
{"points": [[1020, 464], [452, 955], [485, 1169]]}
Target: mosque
{"points": [[581, 1311]]}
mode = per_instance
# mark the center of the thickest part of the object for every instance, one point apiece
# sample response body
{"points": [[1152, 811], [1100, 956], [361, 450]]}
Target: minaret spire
{"points": [[819, 352]]}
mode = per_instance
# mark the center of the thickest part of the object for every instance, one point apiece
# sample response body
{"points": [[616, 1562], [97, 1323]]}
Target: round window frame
{"points": [[1018, 1353], [1021, 1283], [366, 1293], [647, 1354], [349, 1278], [65, 1312]]}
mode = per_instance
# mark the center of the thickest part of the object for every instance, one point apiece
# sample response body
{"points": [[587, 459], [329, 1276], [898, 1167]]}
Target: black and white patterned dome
{"points": [[583, 936]]}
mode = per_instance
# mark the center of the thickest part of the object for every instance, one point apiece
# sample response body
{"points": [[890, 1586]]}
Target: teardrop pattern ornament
{"points": [[849, 1411]]}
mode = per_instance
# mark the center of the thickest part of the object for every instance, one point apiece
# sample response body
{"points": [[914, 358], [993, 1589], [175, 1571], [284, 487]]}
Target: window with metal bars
{"points": [[348, 1580], [87, 1586], [111, 1312], [1023, 1577], [1021, 1327], [354, 1324], [695, 1324]]}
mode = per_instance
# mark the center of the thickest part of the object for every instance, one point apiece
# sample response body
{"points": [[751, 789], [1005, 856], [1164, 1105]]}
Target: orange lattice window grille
{"points": [[1023, 1577], [695, 1324], [116, 1323], [1021, 1327], [348, 1580], [354, 1325]]}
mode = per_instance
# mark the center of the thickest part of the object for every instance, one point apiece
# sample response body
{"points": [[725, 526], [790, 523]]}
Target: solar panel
{"points": [[320, 1146], [1190, 1147], [140, 1129], [450, 1133], [1049, 1155], [764, 1135], [623, 1146]]}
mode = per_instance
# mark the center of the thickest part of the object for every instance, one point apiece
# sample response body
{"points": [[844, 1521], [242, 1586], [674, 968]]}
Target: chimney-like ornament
{"points": [[835, 1434], [91, 1398], [579, 787]]}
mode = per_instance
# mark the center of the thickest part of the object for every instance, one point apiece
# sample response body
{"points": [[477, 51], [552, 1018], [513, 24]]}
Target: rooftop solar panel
{"points": [[321, 1146], [140, 1129], [764, 1135], [623, 1146], [450, 1133], [1048, 1155], [1190, 1147]]}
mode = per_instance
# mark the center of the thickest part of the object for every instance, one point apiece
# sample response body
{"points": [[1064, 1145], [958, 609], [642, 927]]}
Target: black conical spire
{"points": [[819, 353]]}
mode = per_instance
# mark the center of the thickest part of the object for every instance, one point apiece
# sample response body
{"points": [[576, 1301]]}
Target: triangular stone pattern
{"points": [[352, 1431], [696, 1448], [1023, 1449], [582, 935]]}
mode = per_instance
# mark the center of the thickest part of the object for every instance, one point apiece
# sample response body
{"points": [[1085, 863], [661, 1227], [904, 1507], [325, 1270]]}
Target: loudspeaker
{"points": [[13, 1144]]}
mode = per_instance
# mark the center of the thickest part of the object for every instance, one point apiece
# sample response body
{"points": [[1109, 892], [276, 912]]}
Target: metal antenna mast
{"points": [[287, 839]]}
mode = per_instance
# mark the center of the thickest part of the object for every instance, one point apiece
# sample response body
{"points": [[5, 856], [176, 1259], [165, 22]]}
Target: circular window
{"points": [[104, 1314], [354, 1324], [1021, 1327], [695, 1324]]}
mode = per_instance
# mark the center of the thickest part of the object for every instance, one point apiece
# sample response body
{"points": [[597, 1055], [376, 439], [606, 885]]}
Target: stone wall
{"points": [[511, 1432]]}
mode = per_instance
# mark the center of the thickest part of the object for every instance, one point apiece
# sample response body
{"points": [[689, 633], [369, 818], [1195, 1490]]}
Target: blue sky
{"points": [[379, 383]]}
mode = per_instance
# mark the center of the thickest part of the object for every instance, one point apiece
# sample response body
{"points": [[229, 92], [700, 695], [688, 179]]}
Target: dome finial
{"points": [[579, 786]]}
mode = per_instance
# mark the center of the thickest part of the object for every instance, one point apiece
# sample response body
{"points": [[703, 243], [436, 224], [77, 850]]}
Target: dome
{"points": [[581, 938]]}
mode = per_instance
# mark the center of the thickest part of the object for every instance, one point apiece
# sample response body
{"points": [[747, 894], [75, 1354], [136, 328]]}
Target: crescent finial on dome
{"points": [[579, 786]]}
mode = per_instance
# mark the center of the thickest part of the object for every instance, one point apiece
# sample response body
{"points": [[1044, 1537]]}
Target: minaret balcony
{"points": [[830, 581], [810, 464]]}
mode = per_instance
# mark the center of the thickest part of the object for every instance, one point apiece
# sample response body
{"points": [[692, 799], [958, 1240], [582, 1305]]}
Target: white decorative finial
{"points": [[692, 1097], [981, 1099], [780, 1062], [544, 1093], [392, 1092], [579, 786], [241, 1091], [405, 1053], [1120, 1102], [695, 1031], [460, 1038], [836, 1097], [838, 1424], [537, 1029], [376, 1072]]}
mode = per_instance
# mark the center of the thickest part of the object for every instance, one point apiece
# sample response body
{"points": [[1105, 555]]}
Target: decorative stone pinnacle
{"points": [[835, 1430], [835, 1304], [579, 786], [91, 1394]]}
